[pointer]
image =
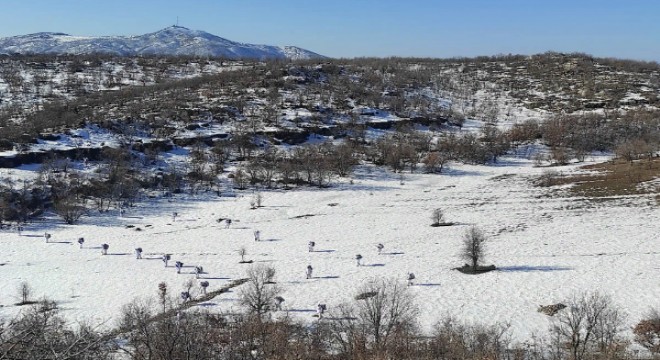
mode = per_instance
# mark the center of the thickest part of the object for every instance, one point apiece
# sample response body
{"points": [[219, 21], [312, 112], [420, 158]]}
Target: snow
{"points": [[546, 248], [174, 40]]}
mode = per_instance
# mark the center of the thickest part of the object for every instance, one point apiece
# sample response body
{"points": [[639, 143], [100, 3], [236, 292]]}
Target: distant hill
{"points": [[174, 40]]}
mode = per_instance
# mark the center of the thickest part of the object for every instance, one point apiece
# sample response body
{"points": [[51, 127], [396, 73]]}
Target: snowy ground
{"points": [[546, 248]]}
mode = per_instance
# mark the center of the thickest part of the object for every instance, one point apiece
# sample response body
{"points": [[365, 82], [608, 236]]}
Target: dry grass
{"points": [[612, 178]]}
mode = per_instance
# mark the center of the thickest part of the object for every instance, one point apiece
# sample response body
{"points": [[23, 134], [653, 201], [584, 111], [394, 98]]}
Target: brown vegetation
{"points": [[613, 178]]}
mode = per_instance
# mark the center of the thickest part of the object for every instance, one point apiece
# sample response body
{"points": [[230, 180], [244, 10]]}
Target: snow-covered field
{"points": [[546, 248]]}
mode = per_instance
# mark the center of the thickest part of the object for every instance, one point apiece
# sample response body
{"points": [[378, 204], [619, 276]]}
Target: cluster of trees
{"points": [[117, 180], [20, 201], [308, 164], [631, 135], [382, 322], [251, 99]]}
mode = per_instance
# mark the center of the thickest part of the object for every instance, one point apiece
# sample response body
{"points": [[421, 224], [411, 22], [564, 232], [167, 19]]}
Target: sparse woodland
{"points": [[234, 114], [248, 125], [380, 325]]}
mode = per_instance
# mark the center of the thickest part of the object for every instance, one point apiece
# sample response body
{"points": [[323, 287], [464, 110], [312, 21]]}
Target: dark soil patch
{"points": [[443, 224], [303, 216], [366, 295], [467, 269], [29, 302]]}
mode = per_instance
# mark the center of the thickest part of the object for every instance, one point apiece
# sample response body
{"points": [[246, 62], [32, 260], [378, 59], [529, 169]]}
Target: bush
{"points": [[647, 332]]}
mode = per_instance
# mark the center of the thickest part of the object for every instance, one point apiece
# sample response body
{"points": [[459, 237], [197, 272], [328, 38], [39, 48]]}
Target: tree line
{"points": [[381, 322]]}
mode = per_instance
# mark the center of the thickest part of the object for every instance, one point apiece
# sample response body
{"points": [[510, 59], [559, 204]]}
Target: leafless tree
{"points": [[453, 340], [473, 249], [24, 292], [259, 293], [435, 161], [69, 208], [391, 310], [242, 252], [437, 216], [41, 333], [590, 323], [189, 335], [240, 179]]}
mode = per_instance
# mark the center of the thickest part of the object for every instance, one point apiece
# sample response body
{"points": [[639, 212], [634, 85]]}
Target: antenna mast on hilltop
{"points": [[177, 21]]}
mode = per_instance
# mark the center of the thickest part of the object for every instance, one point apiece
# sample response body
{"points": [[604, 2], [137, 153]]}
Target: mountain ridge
{"points": [[172, 40]]}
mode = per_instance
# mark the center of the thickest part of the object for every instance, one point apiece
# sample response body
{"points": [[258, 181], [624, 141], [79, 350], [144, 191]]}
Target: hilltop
{"points": [[173, 40]]}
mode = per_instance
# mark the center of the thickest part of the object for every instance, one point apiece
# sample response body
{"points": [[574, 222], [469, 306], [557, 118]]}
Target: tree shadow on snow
{"points": [[526, 268], [394, 253], [324, 251], [207, 304], [457, 172], [345, 318], [214, 278], [228, 299], [427, 284], [302, 310], [375, 173], [370, 188], [375, 265], [327, 277], [59, 242], [508, 161]]}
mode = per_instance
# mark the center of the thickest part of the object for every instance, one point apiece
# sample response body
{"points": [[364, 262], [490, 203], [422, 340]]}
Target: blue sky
{"points": [[355, 28]]}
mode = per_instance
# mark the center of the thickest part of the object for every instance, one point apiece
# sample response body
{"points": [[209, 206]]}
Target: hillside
{"points": [[171, 41], [552, 157]]}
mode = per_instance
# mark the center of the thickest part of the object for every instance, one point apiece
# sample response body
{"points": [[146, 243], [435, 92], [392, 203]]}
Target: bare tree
{"points": [[437, 216], [453, 340], [240, 179], [591, 323], [24, 292], [259, 292], [190, 335], [41, 333], [389, 311], [70, 209], [473, 246], [242, 252], [435, 161], [345, 332]]}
